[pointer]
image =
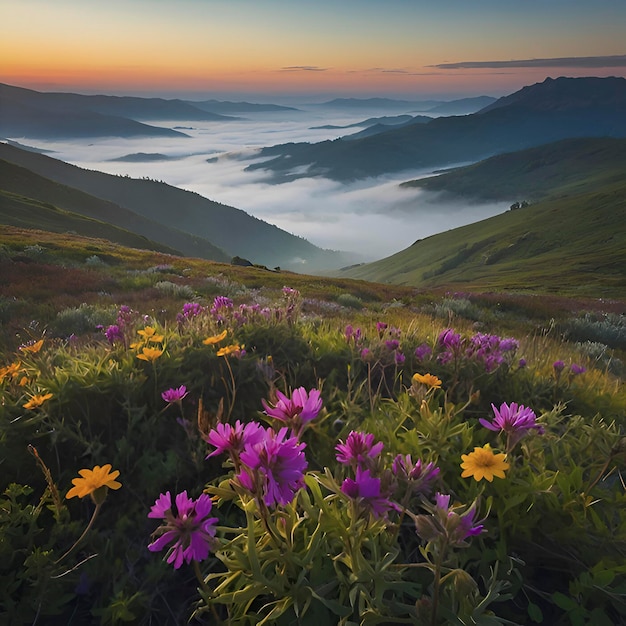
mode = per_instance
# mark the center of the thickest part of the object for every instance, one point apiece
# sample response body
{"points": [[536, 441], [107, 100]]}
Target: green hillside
{"points": [[572, 246], [19, 181], [563, 167]]}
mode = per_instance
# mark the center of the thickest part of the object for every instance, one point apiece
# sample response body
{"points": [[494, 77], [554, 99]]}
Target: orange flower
{"points": [[483, 463], [226, 350], [209, 341], [430, 380], [150, 334], [37, 400], [150, 354], [10, 371], [93, 479], [32, 348]]}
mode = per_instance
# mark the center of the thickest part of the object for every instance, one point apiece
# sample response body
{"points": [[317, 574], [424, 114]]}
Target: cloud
{"points": [[583, 62], [303, 68]]}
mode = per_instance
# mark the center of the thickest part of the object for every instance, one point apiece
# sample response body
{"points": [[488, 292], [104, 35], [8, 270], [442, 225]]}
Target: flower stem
{"points": [[91, 521]]}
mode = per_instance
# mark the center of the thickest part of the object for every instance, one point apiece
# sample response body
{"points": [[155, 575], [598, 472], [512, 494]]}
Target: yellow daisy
{"points": [[209, 341], [226, 350], [37, 400], [483, 463], [10, 371], [430, 380], [150, 334], [92, 479]]}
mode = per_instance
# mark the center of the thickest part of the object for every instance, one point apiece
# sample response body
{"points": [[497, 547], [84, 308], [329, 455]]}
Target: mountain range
{"points": [[549, 111]]}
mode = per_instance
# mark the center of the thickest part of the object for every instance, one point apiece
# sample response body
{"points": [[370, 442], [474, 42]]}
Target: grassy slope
{"points": [[564, 167], [572, 246], [19, 181]]}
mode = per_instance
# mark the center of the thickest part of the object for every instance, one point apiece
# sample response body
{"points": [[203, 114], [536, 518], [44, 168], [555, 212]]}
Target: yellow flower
{"points": [[226, 350], [430, 380], [209, 341], [33, 348], [10, 371], [37, 400], [150, 354], [92, 480], [150, 334], [483, 463]]}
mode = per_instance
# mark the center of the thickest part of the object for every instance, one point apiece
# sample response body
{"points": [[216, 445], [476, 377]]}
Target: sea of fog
{"points": [[372, 218]]}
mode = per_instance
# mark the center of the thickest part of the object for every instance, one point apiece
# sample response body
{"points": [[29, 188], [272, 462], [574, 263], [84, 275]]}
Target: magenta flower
{"points": [[233, 439], [514, 420], [296, 411], [273, 469], [365, 490], [420, 477], [423, 351], [576, 369], [114, 333], [359, 450], [381, 327], [558, 366], [190, 531], [175, 394]]}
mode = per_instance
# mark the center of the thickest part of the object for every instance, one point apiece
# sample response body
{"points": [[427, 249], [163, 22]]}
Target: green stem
{"points": [[91, 521], [205, 589]]}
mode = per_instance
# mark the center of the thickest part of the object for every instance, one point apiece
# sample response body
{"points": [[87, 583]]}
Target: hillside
{"points": [[541, 116], [234, 231], [563, 167], [25, 194]]}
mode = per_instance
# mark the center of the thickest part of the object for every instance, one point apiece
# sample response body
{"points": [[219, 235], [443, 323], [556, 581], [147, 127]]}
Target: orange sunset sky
{"points": [[288, 48]]}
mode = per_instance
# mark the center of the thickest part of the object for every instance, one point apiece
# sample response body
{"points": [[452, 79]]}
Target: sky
{"points": [[311, 49]]}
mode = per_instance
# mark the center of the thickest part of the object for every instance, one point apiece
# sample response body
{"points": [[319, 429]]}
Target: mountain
{"points": [[514, 123], [379, 103], [26, 195], [463, 106], [389, 120], [561, 168], [573, 237], [226, 107], [234, 231]]}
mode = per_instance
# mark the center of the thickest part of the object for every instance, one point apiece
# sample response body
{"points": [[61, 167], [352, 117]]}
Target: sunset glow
{"points": [[353, 47]]}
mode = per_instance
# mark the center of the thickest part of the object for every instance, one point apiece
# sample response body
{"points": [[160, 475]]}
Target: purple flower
{"points": [[392, 344], [577, 369], [296, 411], [190, 310], [400, 358], [273, 469], [421, 477], [366, 354], [233, 439], [514, 420], [381, 327], [190, 531], [359, 450], [366, 491], [114, 333], [522, 363], [423, 351], [508, 345], [449, 339], [175, 394], [558, 366]]}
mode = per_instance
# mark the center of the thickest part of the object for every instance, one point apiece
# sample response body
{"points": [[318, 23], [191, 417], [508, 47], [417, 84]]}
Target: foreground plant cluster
{"points": [[242, 465]]}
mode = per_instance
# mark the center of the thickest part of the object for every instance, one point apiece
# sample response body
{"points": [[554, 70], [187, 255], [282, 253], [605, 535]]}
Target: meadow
{"points": [[188, 441]]}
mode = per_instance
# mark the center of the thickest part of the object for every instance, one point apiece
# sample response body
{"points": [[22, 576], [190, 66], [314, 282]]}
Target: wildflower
{"points": [[37, 400], [175, 394], [150, 354], [209, 341], [392, 344], [190, 531], [114, 333], [513, 420], [430, 380], [577, 369], [458, 527], [558, 366], [366, 354], [400, 358], [233, 439], [296, 411], [232, 349], [32, 348], [149, 334], [366, 491], [93, 479], [420, 476], [423, 351], [522, 363], [10, 371], [273, 468], [449, 339], [381, 327], [190, 310], [359, 450], [483, 463]]}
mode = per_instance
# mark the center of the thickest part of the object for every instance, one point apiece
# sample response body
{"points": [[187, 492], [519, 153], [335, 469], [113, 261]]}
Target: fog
{"points": [[372, 218]]}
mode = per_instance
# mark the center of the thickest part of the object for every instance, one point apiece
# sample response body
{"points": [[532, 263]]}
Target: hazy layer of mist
{"points": [[373, 217]]}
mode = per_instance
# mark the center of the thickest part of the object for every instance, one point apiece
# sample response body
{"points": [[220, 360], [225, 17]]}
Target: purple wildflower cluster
{"points": [[514, 420], [221, 309], [490, 351], [190, 310], [574, 370], [122, 329], [353, 335], [190, 531], [296, 412], [418, 477]]}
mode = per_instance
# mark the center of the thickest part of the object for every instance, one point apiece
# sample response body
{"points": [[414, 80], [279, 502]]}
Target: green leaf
{"points": [[534, 612]]}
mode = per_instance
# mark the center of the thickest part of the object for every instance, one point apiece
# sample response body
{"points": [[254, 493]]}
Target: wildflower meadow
{"points": [[247, 462]]}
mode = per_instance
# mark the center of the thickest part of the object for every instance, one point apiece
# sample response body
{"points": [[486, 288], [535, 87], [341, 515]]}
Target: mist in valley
{"points": [[371, 218]]}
